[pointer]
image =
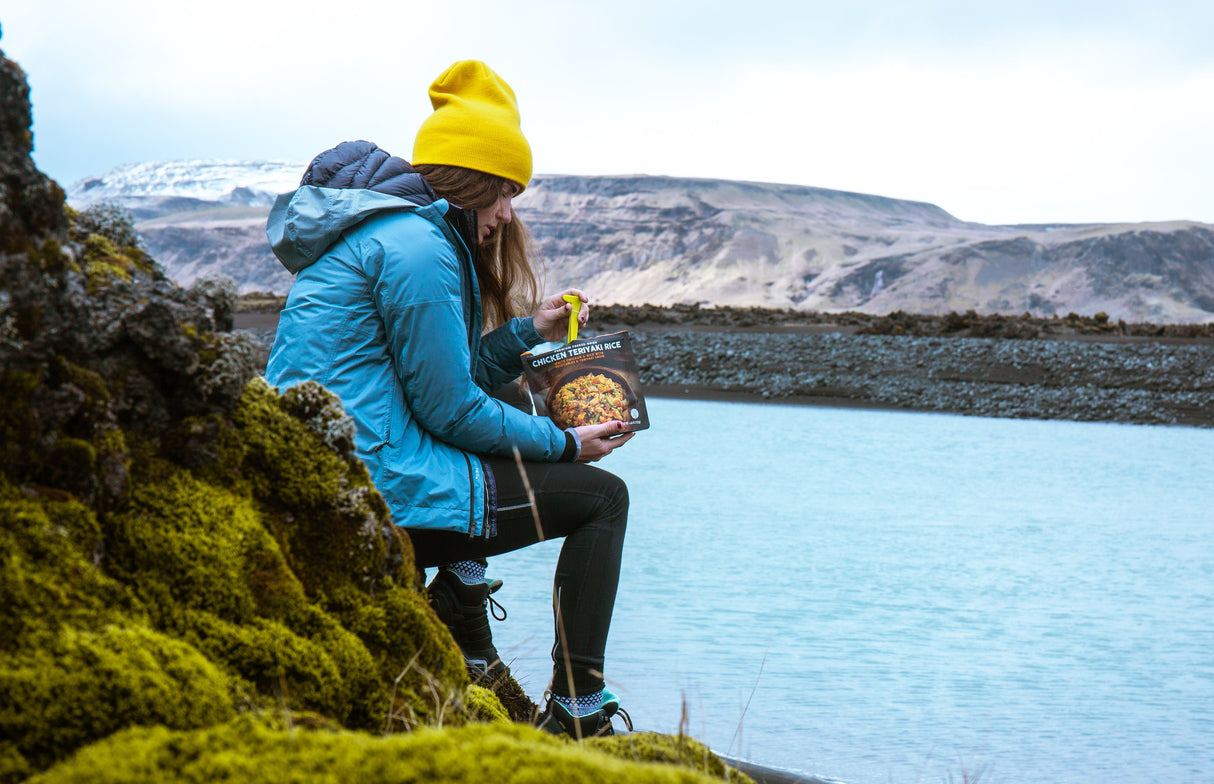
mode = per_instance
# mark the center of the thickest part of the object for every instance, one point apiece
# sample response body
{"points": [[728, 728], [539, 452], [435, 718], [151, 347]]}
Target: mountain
{"points": [[642, 239], [201, 218], [152, 190]]}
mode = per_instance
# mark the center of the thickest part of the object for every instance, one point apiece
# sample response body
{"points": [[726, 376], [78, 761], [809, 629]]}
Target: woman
{"points": [[398, 268]]}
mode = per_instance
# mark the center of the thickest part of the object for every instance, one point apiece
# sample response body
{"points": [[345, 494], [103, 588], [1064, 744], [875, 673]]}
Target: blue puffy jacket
{"points": [[385, 312]]}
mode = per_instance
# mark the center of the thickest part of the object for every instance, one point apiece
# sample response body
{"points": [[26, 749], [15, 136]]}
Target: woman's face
{"points": [[501, 211]]}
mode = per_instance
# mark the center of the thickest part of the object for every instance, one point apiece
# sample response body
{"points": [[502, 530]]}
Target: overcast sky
{"points": [[999, 112]]}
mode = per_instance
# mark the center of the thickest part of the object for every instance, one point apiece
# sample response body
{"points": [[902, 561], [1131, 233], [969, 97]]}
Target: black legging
{"points": [[587, 506]]}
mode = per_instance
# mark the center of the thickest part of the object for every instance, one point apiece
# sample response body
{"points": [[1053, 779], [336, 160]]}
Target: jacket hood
{"points": [[305, 222], [363, 165], [342, 187]]}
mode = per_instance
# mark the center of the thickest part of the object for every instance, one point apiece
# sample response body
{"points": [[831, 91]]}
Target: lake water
{"points": [[893, 597]]}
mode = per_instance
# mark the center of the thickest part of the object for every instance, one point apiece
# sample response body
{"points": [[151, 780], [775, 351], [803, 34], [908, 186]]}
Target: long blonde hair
{"points": [[504, 268]]}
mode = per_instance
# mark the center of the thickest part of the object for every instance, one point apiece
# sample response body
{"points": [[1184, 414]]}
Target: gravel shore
{"points": [[1150, 382]]}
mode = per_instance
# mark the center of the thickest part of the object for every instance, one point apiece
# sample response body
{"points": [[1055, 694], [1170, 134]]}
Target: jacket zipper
{"points": [[465, 229], [471, 497], [489, 528]]}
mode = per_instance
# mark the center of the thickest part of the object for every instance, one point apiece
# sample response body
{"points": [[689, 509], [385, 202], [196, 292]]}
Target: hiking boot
{"points": [[464, 610], [557, 720]]}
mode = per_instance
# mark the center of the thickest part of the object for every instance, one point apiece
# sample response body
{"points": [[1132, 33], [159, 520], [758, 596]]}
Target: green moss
{"points": [[280, 667], [80, 686], [323, 414], [18, 427], [334, 525], [66, 457], [668, 749], [69, 466], [111, 440], [13, 764], [103, 259], [364, 692], [52, 258], [249, 751], [50, 575], [484, 704], [347, 641], [242, 561], [326, 501], [210, 447], [91, 386], [306, 663], [275, 442], [106, 262], [113, 465], [192, 544], [139, 258], [413, 650]]}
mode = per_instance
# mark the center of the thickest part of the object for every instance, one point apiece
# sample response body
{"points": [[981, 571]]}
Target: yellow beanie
{"points": [[475, 124]]}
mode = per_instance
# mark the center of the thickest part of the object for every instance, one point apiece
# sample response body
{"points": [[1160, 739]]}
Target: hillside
{"points": [[661, 240], [664, 241]]}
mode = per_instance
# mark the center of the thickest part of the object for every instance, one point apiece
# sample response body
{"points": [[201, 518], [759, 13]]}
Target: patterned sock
{"points": [[583, 705], [468, 572]]}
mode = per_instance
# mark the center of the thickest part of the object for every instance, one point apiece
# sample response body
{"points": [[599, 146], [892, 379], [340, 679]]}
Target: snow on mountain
{"points": [[143, 185]]}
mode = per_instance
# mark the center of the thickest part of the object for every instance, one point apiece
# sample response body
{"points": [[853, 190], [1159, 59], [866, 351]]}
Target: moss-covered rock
{"points": [[189, 545], [30, 202], [78, 686], [254, 596], [180, 542], [670, 750], [50, 578], [104, 260], [251, 752], [483, 704]]}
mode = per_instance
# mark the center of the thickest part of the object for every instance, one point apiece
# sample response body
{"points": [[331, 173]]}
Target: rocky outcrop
{"points": [[182, 545], [30, 202]]}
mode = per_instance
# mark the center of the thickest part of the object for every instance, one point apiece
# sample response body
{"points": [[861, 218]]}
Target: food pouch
{"points": [[588, 382]]}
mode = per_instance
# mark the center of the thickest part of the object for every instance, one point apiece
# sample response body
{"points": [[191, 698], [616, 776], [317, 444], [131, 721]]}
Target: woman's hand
{"points": [[599, 440], [552, 318]]}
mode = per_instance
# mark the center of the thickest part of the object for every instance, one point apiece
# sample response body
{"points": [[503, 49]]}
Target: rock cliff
{"points": [[30, 202]]}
